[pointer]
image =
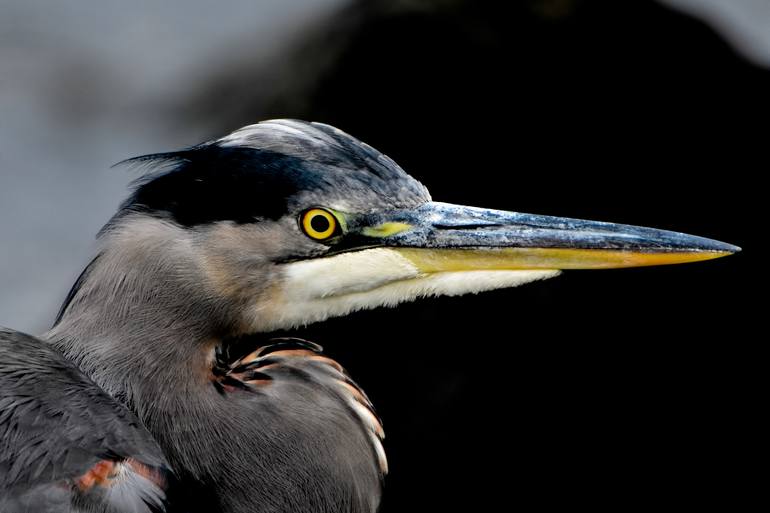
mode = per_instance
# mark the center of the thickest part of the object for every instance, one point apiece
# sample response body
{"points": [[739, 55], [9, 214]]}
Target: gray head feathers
{"points": [[269, 170]]}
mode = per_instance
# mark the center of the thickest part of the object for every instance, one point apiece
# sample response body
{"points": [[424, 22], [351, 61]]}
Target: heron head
{"points": [[285, 223]]}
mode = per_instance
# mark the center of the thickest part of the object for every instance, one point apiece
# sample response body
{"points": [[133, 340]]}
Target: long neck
{"points": [[139, 322], [144, 321]]}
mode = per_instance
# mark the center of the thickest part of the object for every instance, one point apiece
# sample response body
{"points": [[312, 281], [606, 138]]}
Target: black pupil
{"points": [[319, 223]]}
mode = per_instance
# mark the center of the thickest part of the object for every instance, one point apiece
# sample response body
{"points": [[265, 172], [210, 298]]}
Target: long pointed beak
{"points": [[443, 237]]}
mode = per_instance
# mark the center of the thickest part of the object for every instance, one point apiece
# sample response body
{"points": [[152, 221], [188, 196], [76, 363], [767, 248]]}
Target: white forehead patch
{"points": [[274, 134]]}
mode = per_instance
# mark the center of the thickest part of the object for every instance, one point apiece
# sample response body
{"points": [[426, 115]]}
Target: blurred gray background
{"points": [[86, 84]]}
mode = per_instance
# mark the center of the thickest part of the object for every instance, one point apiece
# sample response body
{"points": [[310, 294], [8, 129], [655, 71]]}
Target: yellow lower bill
{"points": [[439, 260]]}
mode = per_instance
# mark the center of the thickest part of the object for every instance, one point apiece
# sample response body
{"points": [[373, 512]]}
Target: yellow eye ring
{"points": [[318, 224]]}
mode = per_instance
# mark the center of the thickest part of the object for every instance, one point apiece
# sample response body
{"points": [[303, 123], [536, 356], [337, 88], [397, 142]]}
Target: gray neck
{"points": [[144, 323], [141, 323]]}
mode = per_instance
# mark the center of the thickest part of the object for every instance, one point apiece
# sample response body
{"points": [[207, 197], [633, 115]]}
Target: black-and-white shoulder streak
{"points": [[291, 358]]}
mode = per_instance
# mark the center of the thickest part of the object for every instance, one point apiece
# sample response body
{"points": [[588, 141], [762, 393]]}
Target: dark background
{"points": [[596, 389], [607, 390]]}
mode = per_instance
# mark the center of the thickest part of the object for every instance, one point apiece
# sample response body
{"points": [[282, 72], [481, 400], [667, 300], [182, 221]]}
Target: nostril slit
{"points": [[466, 226]]}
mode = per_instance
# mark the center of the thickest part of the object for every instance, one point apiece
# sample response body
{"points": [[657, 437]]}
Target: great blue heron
{"points": [[153, 363]]}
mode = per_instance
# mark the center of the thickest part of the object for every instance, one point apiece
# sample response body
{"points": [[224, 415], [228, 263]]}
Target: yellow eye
{"points": [[318, 224]]}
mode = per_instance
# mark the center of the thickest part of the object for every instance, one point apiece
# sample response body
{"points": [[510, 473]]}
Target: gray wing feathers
{"points": [[38, 499], [55, 425]]}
